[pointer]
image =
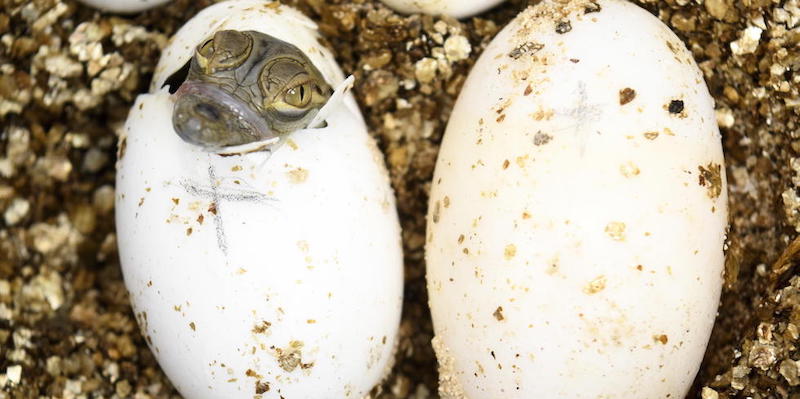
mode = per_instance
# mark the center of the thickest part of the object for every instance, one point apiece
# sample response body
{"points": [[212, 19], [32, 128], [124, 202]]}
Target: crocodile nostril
{"points": [[194, 124], [208, 111]]}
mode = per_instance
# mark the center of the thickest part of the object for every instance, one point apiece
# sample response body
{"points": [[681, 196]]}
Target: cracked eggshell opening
{"points": [[250, 15], [255, 274], [454, 8], [578, 211]]}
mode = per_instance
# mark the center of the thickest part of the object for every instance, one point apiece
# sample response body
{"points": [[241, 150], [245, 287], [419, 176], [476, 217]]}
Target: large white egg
{"points": [[578, 212], [124, 6], [453, 8], [255, 276]]}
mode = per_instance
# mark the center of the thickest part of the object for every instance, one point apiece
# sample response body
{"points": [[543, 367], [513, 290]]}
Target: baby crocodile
{"points": [[244, 87]]}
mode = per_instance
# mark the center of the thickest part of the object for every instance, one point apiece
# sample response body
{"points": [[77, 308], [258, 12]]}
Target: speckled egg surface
{"points": [[256, 276], [578, 212], [124, 6], [453, 8]]}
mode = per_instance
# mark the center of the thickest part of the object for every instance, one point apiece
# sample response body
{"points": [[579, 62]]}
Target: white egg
{"points": [[278, 276], [578, 212], [453, 8], [124, 6]]}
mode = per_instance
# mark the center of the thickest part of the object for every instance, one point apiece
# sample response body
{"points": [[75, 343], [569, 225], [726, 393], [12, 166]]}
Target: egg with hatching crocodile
{"points": [[258, 234]]}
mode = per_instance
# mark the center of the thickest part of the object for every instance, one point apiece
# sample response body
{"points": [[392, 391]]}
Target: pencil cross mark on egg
{"points": [[216, 195], [584, 114]]}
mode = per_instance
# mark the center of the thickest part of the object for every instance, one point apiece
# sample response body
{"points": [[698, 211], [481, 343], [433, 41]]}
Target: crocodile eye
{"points": [[298, 96]]}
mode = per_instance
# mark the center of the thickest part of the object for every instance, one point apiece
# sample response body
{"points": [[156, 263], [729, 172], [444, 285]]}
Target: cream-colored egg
{"points": [[578, 212], [124, 6], [453, 8], [253, 275]]}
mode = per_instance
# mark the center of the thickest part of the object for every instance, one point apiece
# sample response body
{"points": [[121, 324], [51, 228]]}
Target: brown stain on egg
{"points": [[543, 114], [711, 177], [291, 356], [629, 169], [553, 265], [261, 328], [261, 387], [122, 146], [541, 139], [563, 27], [626, 95], [252, 374], [297, 175], [598, 284], [510, 252], [525, 48], [651, 135], [520, 161], [616, 230], [437, 210], [528, 90], [671, 47], [676, 108], [498, 314]]}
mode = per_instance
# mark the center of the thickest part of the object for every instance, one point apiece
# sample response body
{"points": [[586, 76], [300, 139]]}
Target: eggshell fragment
{"points": [[453, 8], [124, 6], [257, 275], [578, 212]]}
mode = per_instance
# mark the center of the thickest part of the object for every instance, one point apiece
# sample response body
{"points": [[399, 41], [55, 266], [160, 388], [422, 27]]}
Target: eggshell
{"points": [[453, 8], [124, 6], [578, 212], [253, 275]]}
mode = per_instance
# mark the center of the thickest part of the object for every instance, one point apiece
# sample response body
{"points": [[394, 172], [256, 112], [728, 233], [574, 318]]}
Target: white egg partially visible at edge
{"points": [[279, 277], [124, 6], [578, 212], [453, 8]]}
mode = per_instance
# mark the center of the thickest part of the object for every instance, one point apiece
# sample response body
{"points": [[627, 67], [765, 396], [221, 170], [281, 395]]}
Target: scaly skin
{"points": [[246, 86]]}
